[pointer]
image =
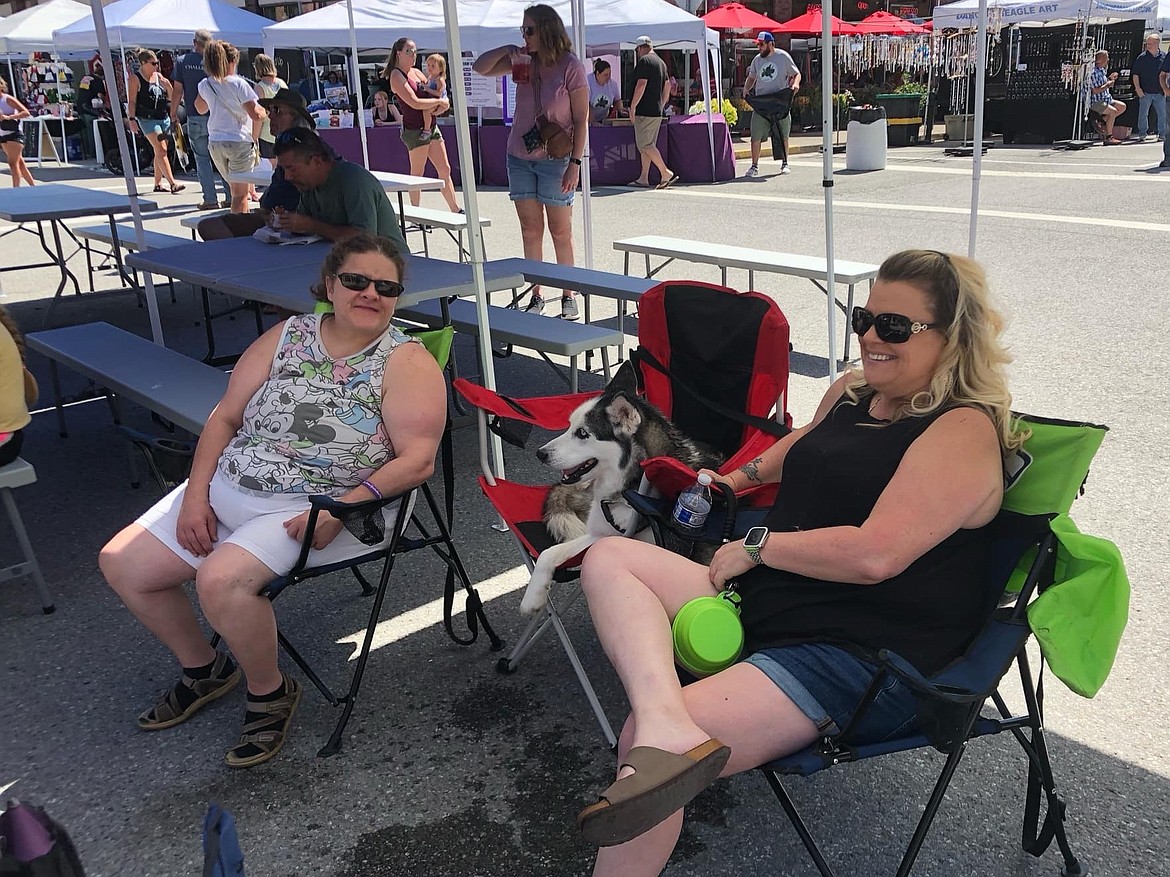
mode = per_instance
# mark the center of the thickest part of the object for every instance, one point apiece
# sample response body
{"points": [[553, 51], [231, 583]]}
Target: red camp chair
{"points": [[713, 360]]}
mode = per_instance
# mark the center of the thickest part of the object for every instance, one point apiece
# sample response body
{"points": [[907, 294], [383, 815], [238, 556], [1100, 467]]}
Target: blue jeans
{"points": [[1158, 101], [197, 137]]}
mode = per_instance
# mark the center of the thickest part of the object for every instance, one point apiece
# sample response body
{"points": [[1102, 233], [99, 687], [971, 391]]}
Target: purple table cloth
{"points": [[613, 157], [387, 151], [690, 154]]}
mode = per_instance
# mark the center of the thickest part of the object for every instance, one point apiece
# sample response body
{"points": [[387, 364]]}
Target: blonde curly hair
{"points": [[971, 367]]}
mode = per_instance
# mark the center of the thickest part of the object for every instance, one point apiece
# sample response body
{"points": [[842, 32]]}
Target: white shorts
{"points": [[256, 524]]}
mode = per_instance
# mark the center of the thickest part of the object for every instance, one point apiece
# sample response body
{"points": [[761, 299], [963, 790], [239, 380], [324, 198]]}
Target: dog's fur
{"points": [[599, 456]]}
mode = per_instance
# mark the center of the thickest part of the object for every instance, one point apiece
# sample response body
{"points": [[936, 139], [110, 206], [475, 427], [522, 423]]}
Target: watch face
{"points": [[755, 537]]}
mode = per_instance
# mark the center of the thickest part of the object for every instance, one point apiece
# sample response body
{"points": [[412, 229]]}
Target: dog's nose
{"points": [[542, 455]]}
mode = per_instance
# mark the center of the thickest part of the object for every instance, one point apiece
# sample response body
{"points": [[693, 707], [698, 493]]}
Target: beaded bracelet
{"points": [[370, 487]]}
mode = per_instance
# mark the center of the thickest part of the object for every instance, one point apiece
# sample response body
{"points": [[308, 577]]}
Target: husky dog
{"points": [[599, 456]]}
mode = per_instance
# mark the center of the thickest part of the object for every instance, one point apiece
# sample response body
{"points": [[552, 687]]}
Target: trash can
{"points": [[903, 116], [865, 144]]}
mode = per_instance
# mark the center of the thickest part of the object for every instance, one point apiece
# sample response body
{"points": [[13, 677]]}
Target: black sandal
{"points": [[169, 711], [262, 738]]}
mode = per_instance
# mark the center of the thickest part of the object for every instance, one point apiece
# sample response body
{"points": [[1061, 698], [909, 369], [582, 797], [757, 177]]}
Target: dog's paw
{"points": [[535, 596]]}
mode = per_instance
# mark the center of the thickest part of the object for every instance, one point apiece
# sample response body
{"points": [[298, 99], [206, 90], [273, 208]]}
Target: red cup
{"points": [[521, 68]]}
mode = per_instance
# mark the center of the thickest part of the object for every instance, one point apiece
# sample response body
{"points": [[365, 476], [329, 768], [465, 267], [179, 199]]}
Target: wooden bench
{"points": [[180, 389], [127, 240], [545, 335], [454, 224], [811, 268]]}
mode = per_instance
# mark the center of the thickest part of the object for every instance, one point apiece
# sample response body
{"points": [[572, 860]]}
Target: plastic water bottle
{"points": [[694, 504]]}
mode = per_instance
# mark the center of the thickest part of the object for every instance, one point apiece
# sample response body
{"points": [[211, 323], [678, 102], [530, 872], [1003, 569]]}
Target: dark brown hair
{"points": [[554, 41], [392, 60], [359, 243]]}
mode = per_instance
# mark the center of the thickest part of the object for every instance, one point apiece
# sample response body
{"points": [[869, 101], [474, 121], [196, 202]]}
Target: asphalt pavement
{"points": [[449, 768]]}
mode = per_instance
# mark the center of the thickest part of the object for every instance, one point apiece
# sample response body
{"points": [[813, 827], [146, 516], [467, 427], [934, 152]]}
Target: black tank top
{"points": [[152, 100], [833, 476], [412, 119]]}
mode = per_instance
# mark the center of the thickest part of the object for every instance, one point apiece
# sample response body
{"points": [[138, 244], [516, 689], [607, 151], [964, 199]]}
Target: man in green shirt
{"points": [[338, 198]]}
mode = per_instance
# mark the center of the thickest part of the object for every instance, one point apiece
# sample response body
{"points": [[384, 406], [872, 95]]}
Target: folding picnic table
{"points": [[53, 203]]}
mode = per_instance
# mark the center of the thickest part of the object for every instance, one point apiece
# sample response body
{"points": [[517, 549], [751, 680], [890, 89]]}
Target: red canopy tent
{"points": [[736, 16], [883, 22], [810, 24]]}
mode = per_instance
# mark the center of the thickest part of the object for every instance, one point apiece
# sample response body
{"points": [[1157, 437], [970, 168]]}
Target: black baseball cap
{"points": [[293, 99]]}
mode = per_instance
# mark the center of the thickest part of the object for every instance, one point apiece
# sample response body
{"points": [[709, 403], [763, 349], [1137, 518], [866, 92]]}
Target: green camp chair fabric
{"points": [[437, 341], [1079, 619], [1047, 473]]}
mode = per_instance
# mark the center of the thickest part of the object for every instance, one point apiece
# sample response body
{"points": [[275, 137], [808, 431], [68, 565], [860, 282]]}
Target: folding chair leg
{"points": [[802, 831], [534, 631]]}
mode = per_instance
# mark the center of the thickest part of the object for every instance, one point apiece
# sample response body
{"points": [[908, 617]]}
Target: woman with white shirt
{"points": [[233, 108], [603, 92]]}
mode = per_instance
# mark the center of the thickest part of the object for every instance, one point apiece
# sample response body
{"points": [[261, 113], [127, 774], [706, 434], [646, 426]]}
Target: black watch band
{"points": [[575, 161]]}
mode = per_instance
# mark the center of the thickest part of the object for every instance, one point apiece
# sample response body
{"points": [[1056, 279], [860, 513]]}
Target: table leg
{"points": [[573, 374], [626, 269], [649, 273], [402, 216], [117, 254], [751, 280], [66, 274], [210, 332], [848, 314], [605, 364], [55, 378]]}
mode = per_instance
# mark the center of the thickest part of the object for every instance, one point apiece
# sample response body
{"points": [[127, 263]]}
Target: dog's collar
{"points": [[609, 519]]}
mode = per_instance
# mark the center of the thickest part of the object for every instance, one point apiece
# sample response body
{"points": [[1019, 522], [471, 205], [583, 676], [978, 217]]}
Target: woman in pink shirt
{"points": [[550, 81]]}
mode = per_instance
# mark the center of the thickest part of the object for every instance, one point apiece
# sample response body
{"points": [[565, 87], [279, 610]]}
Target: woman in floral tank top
{"points": [[341, 404]]}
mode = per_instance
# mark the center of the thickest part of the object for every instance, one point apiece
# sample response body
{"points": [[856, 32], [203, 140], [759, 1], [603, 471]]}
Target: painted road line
{"points": [[838, 203], [1039, 175]]}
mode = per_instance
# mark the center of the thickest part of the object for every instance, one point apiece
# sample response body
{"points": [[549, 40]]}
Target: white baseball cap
{"points": [[643, 41]]}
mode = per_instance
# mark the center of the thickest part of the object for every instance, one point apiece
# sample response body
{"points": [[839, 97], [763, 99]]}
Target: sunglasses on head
{"points": [[891, 328], [527, 30], [359, 283]]}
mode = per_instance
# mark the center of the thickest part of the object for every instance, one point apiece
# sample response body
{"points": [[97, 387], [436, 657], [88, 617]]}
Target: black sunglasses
{"points": [[892, 328], [359, 283], [298, 135], [527, 30]]}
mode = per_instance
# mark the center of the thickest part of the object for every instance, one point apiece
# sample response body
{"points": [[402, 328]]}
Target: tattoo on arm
{"points": [[752, 469]]}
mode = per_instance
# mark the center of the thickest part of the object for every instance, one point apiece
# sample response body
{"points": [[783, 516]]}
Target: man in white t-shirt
{"points": [[771, 72], [603, 92]]}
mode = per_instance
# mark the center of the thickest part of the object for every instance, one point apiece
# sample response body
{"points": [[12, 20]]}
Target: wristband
{"points": [[576, 161], [370, 487]]}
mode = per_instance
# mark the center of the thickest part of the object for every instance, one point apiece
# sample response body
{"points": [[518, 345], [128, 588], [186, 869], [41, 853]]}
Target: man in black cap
{"points": [[286, 110], [772, 71]]}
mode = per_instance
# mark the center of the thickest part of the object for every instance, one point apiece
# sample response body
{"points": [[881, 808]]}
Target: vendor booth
{"points": [[702, 151], [1041, 57]]}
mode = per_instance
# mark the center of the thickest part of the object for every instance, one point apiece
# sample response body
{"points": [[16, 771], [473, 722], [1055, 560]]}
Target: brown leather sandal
{"points": [[662, 782], [168, 712], [263, 738]]}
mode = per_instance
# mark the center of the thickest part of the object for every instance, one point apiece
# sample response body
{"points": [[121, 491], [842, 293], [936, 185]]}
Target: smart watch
{"points": [[754, 541], [575, 161]]}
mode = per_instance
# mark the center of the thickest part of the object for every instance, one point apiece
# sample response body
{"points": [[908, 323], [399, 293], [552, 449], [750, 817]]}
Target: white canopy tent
{"points": [[161, 23], [32, 29], [965, 13], [485, 24]]}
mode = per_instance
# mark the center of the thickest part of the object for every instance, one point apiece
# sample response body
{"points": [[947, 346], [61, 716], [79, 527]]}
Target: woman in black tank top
{"points": [[150, 105], [876, 540]]}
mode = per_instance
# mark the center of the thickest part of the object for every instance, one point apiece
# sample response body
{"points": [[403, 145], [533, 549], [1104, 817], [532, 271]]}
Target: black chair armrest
{"points": [[341, 510], [909, 674]]}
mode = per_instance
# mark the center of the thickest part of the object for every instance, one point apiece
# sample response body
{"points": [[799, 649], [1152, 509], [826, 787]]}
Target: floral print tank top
{"points": [[315, 426]]}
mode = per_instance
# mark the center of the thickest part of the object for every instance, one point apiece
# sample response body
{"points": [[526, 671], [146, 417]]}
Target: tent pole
{"points": [[977, 144], [827, 183], [103, 39], [471, 207], [357, 88], [578, 13], [704, 71]]}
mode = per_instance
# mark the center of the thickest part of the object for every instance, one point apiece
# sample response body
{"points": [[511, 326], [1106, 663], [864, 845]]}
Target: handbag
{"points": [[32, 844], [557, 142]]}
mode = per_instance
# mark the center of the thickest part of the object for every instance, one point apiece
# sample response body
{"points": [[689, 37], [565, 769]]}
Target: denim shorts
{"points": [[154, 126], [827, 683], [540, 179]]}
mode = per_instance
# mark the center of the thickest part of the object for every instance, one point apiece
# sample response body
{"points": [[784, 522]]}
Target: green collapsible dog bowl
{"points": [[707, 633]]}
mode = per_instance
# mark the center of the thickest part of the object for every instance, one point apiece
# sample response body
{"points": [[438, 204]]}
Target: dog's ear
{"points": [[624, 416], [624, 381]]}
